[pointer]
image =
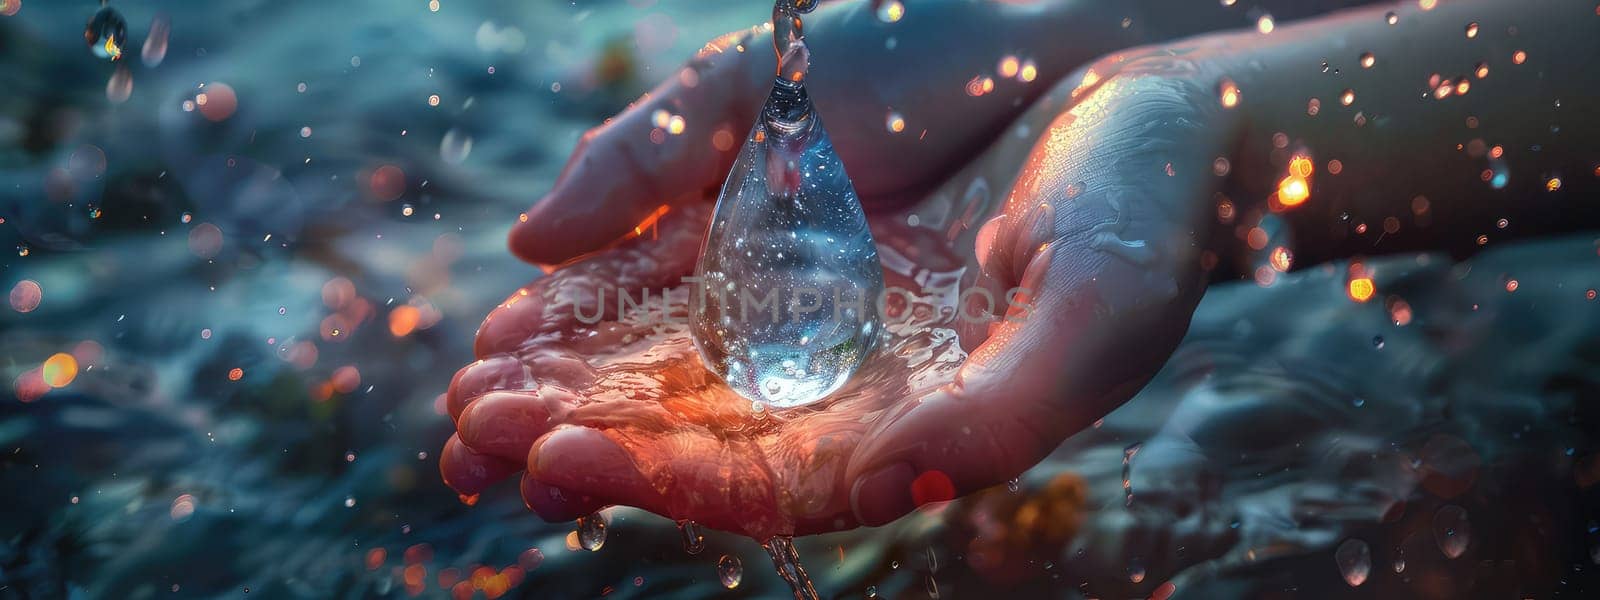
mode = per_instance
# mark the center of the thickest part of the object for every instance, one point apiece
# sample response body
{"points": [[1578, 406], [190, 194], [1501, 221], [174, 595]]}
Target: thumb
{"points": [[672, 145], [1102, 237]]}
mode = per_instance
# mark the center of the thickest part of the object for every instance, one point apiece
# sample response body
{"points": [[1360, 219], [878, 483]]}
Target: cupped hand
{"points": [[1095, 203]]}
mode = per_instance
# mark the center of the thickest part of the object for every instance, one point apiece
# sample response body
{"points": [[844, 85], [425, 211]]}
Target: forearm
{"points": [[1424, 166]]}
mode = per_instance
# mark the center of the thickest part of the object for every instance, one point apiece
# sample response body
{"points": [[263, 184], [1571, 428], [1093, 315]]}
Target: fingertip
{"points": [[585, 460], [468, 472], [484, 376], [504, 424], [554, 504]]}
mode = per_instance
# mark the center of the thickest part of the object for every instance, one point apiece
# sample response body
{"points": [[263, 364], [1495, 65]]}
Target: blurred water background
{"points": [[261, 300]]}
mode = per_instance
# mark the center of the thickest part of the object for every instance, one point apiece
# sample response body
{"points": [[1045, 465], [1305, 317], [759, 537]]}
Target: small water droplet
{"points": [[530, 559], [455, 146], [694, 542], [592, 532], [1367, 60], [730, 571], [1391, 18], [106, 34], [1355, 561], [872, 590], [1136, 570], [1377, 342], [1014, 485], [1400, 565], [1451, 530]]}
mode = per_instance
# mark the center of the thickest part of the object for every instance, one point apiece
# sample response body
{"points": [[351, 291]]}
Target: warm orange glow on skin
{"points": [[650, 221]]}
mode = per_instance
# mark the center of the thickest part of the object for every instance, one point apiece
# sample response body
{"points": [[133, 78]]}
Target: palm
{"points": [[652, 427]]}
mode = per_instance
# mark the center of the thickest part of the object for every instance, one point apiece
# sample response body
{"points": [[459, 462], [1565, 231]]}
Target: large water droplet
{"points": [[592, 532], [1355, 561], [1451, 530], [106, 33], [730, 571], [788, 280]]}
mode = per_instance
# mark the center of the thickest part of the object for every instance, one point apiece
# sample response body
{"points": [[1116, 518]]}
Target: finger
{"points": [[554, 504], [591, 469], [495, 373], [468, 472], [675, 143], [505, 424], [1100, 236]]}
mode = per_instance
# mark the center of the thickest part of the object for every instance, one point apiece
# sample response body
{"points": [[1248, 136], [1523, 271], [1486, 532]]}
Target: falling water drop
{"points": [[730, 571], [694, 542], [1451, 530], [1355, 561], [592, 532], [155, 44], [787, 561], [106, 33], [788, 275], [455, 146], [1136, 571], [120, 86]]}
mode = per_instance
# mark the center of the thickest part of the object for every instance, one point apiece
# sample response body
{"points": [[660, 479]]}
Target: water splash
{"points": [[787, 560], [788, 280]]}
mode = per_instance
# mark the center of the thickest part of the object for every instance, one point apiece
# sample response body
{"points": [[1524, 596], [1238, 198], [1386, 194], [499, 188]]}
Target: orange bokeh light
{"points": [[1362, 289], [59, 370]]}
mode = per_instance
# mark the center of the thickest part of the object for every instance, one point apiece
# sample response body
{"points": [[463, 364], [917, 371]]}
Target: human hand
{"points": [[622, 412]]}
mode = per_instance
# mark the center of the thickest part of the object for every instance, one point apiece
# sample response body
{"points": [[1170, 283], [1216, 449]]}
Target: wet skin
{"points": [[1102, 198]]}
